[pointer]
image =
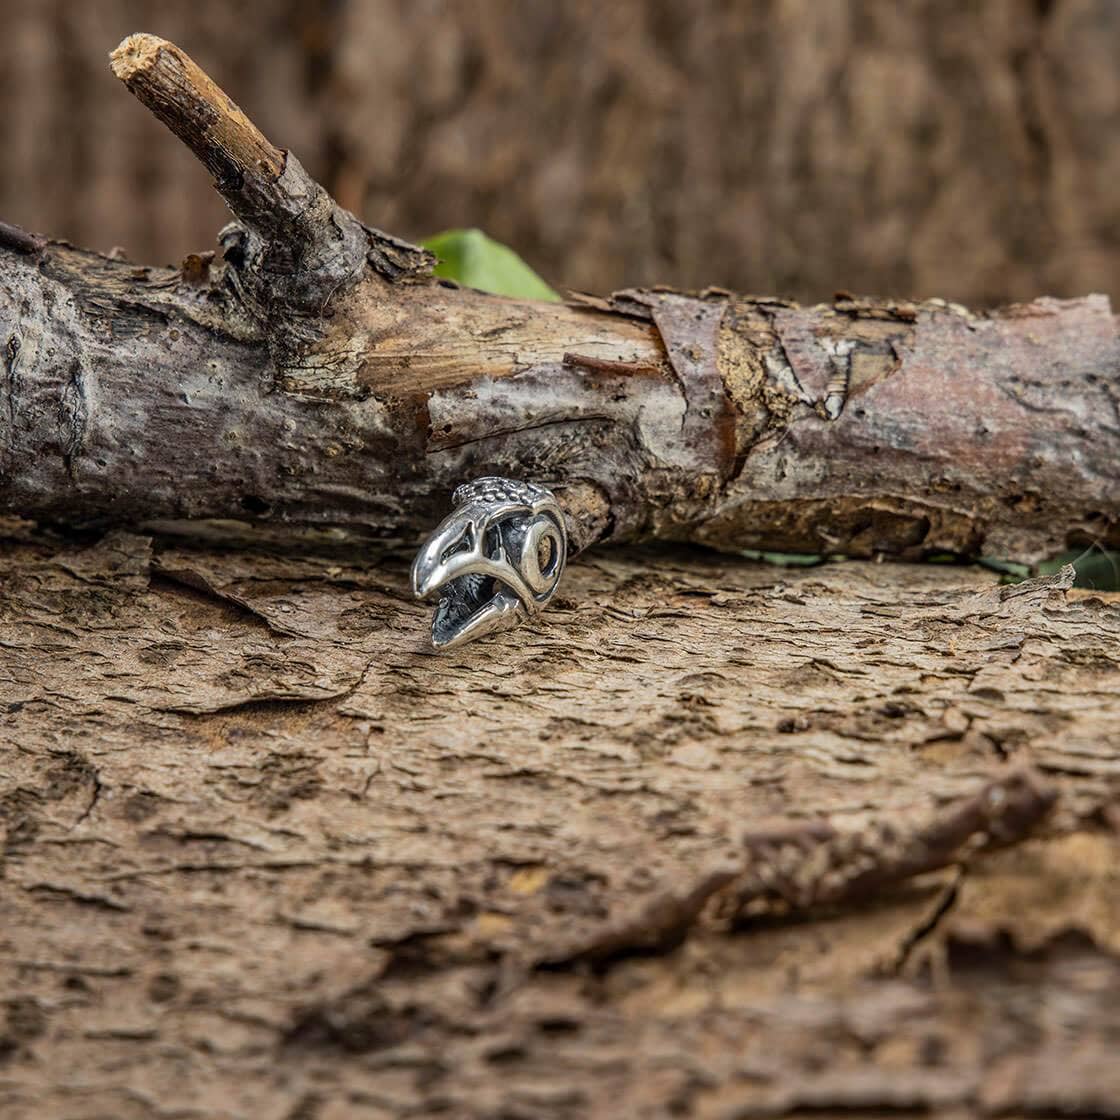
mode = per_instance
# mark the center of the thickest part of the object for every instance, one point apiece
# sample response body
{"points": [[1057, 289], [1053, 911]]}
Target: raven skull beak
{"points": [[493, 561]]}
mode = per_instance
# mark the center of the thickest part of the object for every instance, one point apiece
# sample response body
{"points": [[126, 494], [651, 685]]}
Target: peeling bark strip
{"points": [[319, 376], [795, 866]]}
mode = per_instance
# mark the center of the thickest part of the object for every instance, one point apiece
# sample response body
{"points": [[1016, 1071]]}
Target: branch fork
{"points": [[293, 245]]}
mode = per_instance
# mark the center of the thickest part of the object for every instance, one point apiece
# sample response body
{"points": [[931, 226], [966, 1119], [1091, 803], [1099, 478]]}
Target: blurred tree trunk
{"points": [[917, 148]]}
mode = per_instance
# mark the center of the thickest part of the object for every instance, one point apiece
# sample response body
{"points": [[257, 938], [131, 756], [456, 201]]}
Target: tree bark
{"points": [[320, 376], [711, 839]]}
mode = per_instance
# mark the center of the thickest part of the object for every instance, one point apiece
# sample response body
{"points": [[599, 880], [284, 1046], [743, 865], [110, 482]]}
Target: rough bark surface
{"points": [[713, 839], [134, 395], [921, 148]]}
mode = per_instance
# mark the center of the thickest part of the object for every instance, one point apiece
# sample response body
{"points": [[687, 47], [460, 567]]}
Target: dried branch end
{"points": [[137, 52], [304, 248], [20, 241], [177, 91]]}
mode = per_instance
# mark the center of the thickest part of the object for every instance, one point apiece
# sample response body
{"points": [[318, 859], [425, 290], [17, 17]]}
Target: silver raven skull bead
{"points": [[494, 560]]}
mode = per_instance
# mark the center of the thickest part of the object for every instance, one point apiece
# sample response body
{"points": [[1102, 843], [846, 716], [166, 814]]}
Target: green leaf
{"points": [[474, 260], [1097, 568], [1011, 570], [786, 559]]}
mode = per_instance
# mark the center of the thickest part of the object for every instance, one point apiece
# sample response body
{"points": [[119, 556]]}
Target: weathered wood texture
{"points": [[920, 148], [133, 395], [266, 856], [320, 375]]}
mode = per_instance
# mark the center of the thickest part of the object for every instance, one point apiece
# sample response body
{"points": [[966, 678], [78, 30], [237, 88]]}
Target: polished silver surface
{"points": [[494, 560]]}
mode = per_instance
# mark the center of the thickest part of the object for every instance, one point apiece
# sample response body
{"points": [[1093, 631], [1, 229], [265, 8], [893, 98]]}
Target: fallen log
{"points": [[317, 374]]}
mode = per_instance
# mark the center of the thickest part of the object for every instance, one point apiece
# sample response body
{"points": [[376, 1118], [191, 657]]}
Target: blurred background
{"points": [[960, 148]]}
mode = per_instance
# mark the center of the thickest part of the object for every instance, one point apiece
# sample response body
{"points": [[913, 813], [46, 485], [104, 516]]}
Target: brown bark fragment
{"points": [[815, 864]]}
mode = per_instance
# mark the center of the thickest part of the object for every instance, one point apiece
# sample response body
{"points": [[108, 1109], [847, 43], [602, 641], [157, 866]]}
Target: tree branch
{"points": [[306, 247], [176, 91], [319, 375]]}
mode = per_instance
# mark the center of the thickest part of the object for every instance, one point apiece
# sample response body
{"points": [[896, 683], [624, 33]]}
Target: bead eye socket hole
{"points": [[546, 554]]}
